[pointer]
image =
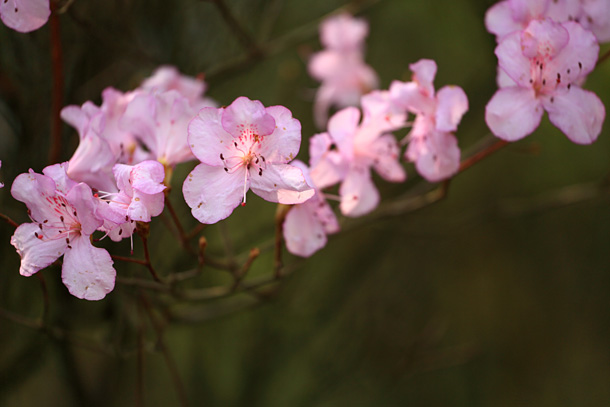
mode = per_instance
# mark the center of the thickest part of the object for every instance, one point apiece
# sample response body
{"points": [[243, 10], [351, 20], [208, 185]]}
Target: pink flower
{"points": [[341, 68], [63, 217], [243, 146], [432, 146], [24, 15], [547, 62], [347, 153], [167, 77], [160, 120], [508, 16]]}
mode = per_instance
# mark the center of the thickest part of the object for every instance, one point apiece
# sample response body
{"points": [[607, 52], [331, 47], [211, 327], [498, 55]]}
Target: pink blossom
{"points": [[307, 224], [508, 16], [63, 217], [547, 62], [167, 77], [159, 120], [24, 15], [347, 153], [341, 68], [243, 146], [432, 146]]}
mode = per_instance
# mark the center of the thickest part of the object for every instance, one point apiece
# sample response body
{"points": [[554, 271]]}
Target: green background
{"points": [[495, 296]]}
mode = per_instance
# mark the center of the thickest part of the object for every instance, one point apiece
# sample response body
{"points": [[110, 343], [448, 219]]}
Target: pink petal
{"points": [[282, 183], [148, 177], [499, 19], [329, 170], [33, 190], [81, 197], [543, 39], [283, 144], [207, 138], [57, 172], [325, 97], [144, 206], [212, 193], [35, 253], [87, 271], [343, 32], [578, 113], [167, 77], [303, 233], [452, 103], [324, 65], [359, 195], [245, 117], [424, 72], [442, 160], [410, 96], [342, 127], [380, 108], [578, 58], [24, 15], [513, 113], [386, 161], [511, 59]]}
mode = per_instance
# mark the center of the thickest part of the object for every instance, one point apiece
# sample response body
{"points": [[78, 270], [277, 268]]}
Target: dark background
{"points": [[495, 296]]}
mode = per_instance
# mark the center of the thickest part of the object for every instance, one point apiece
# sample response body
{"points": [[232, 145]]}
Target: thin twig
{"points": [[237, 28], [9, 220], [254, 253], [143, 230], [470, 161], [129, 259], [183, 237]]}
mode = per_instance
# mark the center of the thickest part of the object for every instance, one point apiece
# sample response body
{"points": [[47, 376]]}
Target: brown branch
{"points": [[129, 259], [9, 220], [254, 253], [143, 230], [470, 161], [183, 237], [58, 83]]}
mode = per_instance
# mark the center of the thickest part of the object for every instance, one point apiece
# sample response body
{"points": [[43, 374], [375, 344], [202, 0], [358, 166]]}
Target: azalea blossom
{"points": [[432, 146], [63, 215], [241, 147], [508, 16], [350, 150], [547, 62], [24, 15], [340, 67]]}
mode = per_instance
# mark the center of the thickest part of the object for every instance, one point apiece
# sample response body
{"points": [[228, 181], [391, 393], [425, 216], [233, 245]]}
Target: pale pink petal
{"points": [[329, 170], [451, 105], [58, 173], [212, 193], [578, 113], [513, 113], [144, 206], [148, 177], [380, 108], [24, 15], [92, 162], [409, 96], [424, 72], [122, 173], [319, 144], [303, 233], [282, 183], [343, 32], [81, 198], [442, 159], [543, 38], [36, 251], [326, 64], [499, 19], [33, 190], [578, 58], [511, 59], [342, 127], [283, 144], [359, 195], [206, 136], [87, 271], [386, 163], [168, 77], [597, 18], [325, 97], [247, 117]]}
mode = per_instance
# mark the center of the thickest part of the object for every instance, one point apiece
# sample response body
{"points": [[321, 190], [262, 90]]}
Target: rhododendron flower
{"points": [[341, 68], [159, 120], [547, 61], [432, 146], [508, 16], [167, 77], [140, 197], [307, 224], [24, 15], [244, 146], [63, 215], [358, 148]]}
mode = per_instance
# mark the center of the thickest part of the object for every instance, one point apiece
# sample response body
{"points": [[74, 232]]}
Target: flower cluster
{"points": [[340, 67], [545, 51]]}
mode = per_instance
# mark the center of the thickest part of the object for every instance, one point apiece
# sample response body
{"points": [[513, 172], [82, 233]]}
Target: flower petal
{"points": [[303, 233], [245, 116], [87, 271], [282, 146], [212, 193], [578, 113], [452, 103], [513, 113], [282, 183], [24, 15], [206, 136], [359, 195], [36, 253]]}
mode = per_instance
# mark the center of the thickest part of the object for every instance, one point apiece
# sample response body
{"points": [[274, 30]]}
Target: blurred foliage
{"points": [[496, 296]]}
